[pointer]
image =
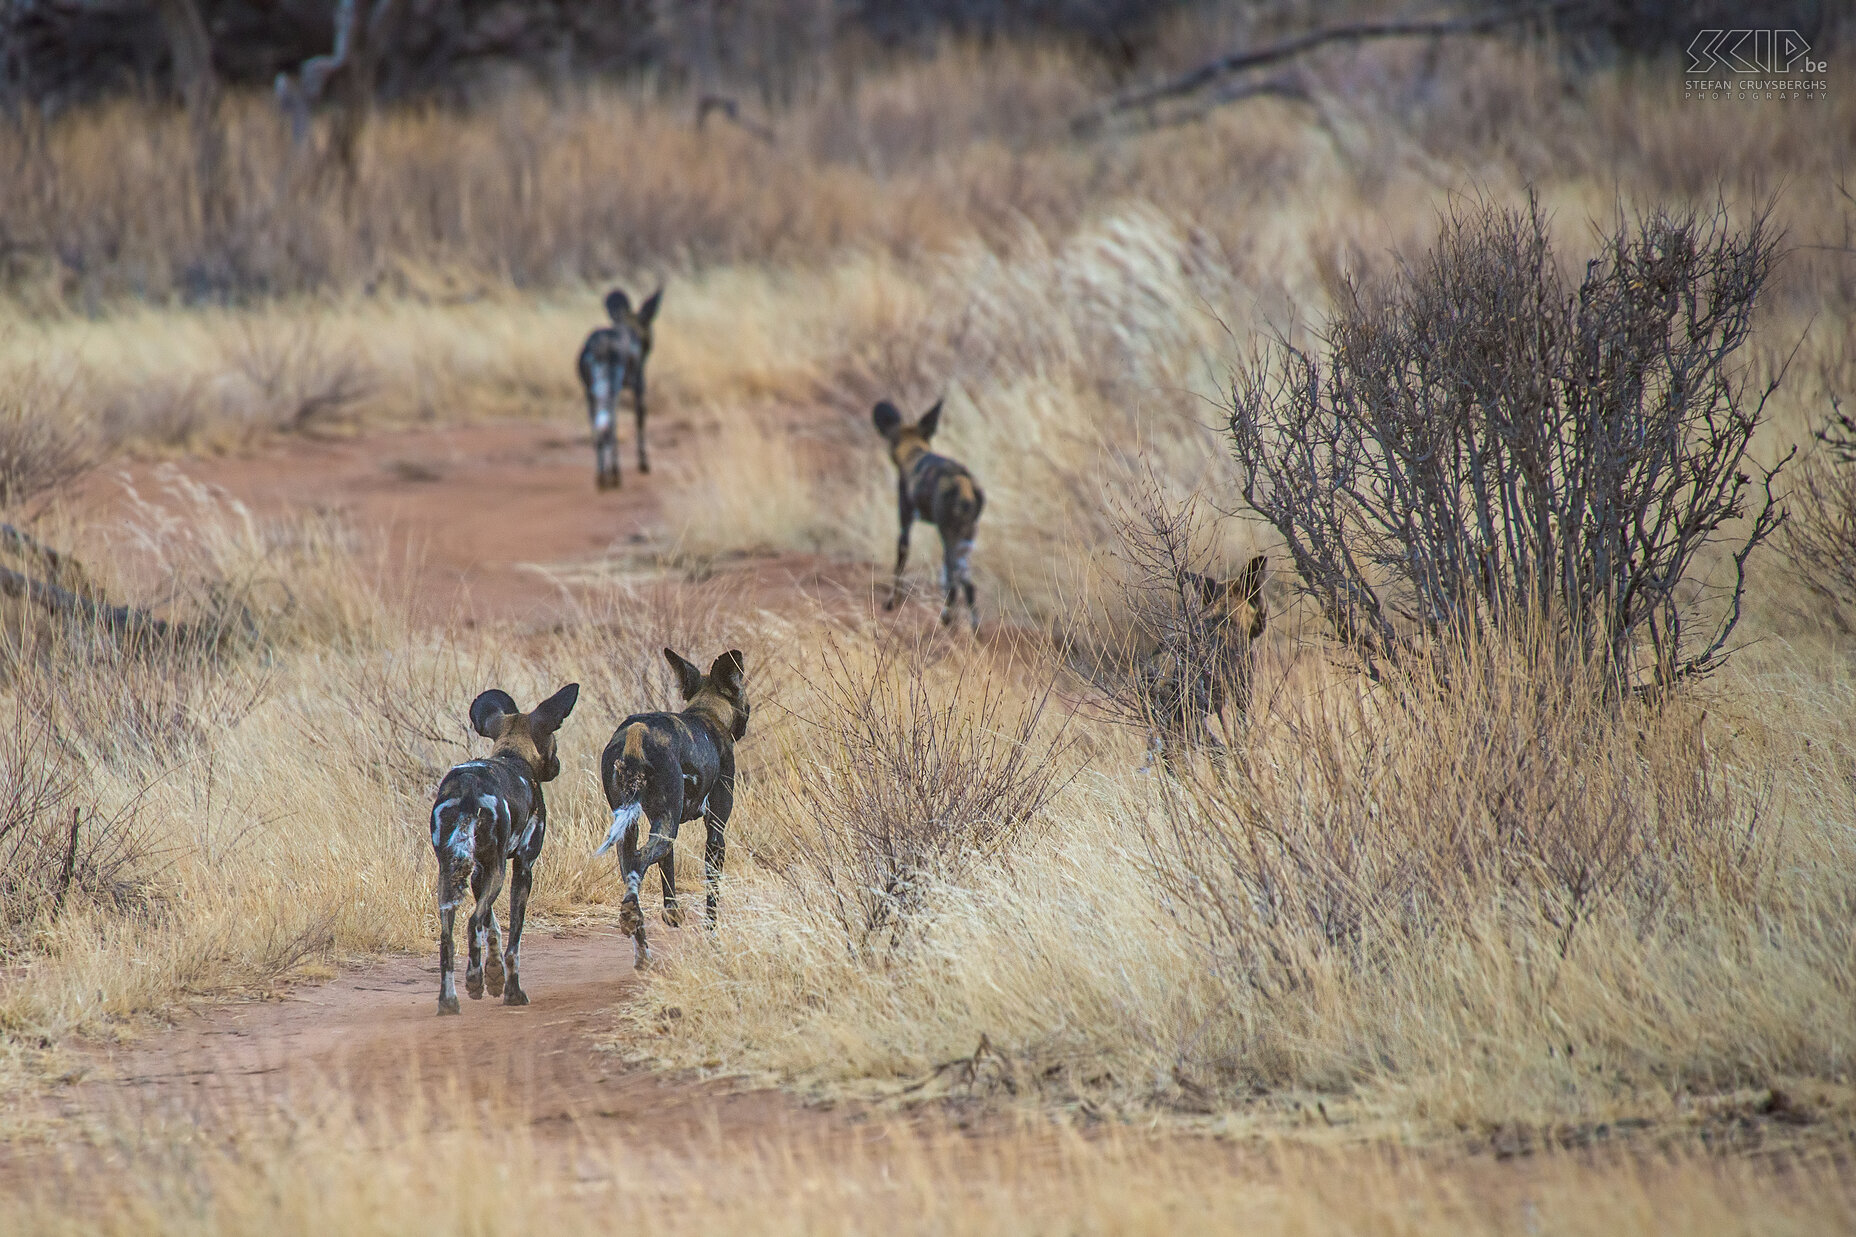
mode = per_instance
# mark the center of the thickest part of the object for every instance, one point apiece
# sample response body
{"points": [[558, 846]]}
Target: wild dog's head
{"points": [[526, 736], [1234, 607], [633, 326], [905, 440], [722, 692]]}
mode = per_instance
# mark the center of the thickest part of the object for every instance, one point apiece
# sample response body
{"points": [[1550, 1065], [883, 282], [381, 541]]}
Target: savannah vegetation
{"points": [[1532, 377]]}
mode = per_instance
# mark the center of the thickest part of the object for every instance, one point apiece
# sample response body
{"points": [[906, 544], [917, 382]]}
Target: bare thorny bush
{"points": [[1485, 445], [56, 847], [916, 776], [1502, 783], [42, 443]]}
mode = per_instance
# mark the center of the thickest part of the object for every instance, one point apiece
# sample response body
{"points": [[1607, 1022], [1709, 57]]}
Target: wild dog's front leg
{"points": [[519, 883], [644, 461], [905, 511], [485, 884]]}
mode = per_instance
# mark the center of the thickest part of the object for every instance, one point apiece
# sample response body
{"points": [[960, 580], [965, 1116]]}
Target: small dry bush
{"points": [[56, 850], [1820, 536], [44, 443], [914, 773]]}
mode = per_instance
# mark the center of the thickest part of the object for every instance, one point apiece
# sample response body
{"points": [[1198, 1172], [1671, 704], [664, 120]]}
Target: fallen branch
{"points": [[1357, 32], [124, 621], [731, 109]]}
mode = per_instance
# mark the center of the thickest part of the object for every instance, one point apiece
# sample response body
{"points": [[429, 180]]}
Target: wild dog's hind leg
{"points": [[644, 461], [485, 884], [667, 867], [450, 893], [493, 957], [716, 810], [519, 882], [631, 919]]}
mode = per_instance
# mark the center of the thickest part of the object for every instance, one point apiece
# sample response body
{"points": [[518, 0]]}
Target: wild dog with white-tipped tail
{"points": [[490, 814], [666, 768]]}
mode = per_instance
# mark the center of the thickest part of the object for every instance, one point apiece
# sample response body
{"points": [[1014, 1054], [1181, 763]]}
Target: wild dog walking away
{"points": [[933, 488], [1203, 664], [612, 360], [668, 768], [490, 812]]}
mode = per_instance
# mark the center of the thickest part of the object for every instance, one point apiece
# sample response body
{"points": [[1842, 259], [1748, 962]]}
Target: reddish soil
{"points": [[374, 1034], [472, 519]]}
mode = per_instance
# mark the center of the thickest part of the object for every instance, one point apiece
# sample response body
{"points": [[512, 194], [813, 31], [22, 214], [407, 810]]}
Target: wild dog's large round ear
{"points": [[648, 310], [1249, 583], [491, 713], [550, 713], [887, 417], [1208, 587], [617, 304], [730, 671], [931, 420], [689, 678]]}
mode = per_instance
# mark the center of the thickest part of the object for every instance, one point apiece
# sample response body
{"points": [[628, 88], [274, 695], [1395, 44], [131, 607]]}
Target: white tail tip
{"points": [[623, 820]]}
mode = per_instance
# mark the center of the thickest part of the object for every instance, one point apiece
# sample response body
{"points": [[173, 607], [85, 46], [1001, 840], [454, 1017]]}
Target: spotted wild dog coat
{"points": [[1203, 662], [934, 488], [666, 768], [611, 361], [489, 814]]}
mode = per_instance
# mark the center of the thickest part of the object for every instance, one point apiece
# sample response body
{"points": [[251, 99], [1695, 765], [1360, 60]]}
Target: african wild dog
{"points": [[933, 488], [668, 768], [612, 360], [1203, 661], [489, 812]]}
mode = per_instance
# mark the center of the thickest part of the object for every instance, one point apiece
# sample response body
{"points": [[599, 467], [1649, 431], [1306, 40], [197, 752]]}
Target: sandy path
{"points": [[474, 520], [373, 1034]]}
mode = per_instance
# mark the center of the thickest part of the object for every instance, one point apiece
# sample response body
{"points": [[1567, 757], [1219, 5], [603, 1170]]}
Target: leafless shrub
{"points": [[54, 847], [1500, 783], [918, 775], [1820, 535], [1485, 445], [43, 443], [297, 383]]}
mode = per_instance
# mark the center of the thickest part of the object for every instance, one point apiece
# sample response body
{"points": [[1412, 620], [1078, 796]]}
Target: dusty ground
{"points": [[373, 1034], [475, 522]]}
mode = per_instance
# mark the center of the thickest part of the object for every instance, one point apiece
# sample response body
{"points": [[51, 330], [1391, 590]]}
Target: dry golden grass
{"points": [[326, 1172], [1348, 919]]}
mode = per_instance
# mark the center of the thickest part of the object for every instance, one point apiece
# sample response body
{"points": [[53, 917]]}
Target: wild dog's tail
{"points": [[455, 821], [629, 781]]}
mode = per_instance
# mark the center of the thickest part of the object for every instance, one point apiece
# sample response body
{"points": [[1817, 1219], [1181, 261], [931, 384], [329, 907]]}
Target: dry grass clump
{"points": [[327, 1171], [1493, 900], [1821, 534], [912, 773]]}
